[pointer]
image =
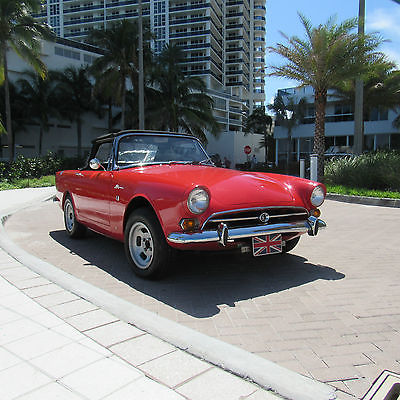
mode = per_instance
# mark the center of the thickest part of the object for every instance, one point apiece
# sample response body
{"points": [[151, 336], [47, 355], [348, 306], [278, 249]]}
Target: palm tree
{"points": [[260, 122], [381, 89], [180, 103], [18, 105], [40, 101], [330, 54], [120, 60], [20, 32], [288, 114], [74, 93]]}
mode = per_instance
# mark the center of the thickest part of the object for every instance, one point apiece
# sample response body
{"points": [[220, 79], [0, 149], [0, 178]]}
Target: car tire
{"points": [[290, 244], [145, 245], [74, 228]]}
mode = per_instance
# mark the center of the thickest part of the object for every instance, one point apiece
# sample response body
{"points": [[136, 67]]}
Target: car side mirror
{"points": [[95, 163]]}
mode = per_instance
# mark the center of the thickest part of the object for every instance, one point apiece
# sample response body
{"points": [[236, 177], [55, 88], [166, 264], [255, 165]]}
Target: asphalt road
{"points": [[329, 310]]}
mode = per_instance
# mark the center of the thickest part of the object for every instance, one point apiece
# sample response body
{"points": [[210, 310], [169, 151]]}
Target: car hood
{"points": [[228, 188]]}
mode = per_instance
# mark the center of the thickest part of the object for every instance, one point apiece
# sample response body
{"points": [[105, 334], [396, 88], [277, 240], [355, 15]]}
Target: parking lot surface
{"points": [[329, 310]]}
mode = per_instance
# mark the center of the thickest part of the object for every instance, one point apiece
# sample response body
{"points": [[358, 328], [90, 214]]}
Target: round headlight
{"points": [[198, 201], [317, 196]]}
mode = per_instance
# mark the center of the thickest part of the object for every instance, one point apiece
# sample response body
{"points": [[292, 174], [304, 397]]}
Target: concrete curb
{"points": [[368, 201], [265, 373]]}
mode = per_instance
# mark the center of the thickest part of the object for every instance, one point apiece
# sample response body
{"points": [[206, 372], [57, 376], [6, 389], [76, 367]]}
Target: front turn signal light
{"points": [[189, 224], [316, 213]]}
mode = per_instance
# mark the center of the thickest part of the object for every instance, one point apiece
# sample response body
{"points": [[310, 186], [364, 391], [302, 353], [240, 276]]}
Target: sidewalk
{"points": [[56, 345], [61, 337]]}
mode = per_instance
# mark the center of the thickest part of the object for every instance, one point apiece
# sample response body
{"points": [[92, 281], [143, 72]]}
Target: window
{"points": [[343, 109], [59, 51], [159, 7], [103, 154], [137, 149], [55, 21], [379, 114], [54, 9]]}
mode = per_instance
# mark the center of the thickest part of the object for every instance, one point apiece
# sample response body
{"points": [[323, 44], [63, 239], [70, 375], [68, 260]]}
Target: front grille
{"points": [[251, 217]]}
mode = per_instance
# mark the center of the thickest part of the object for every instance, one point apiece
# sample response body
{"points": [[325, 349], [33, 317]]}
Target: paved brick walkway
{"points": [[330, 310]]}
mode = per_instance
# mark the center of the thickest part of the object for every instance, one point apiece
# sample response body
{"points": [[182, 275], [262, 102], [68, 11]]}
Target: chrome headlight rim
{"points": [[198, 200], [317, 196]]}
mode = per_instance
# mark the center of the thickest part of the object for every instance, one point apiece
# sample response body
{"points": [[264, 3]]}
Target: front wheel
{"points": [[74, 228], [145, 245]]}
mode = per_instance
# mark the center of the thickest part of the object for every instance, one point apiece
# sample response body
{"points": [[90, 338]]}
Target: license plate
{"points": [[266, 244]]}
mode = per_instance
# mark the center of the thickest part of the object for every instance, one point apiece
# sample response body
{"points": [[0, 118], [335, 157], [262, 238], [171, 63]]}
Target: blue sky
{"points": [[382, 16]]}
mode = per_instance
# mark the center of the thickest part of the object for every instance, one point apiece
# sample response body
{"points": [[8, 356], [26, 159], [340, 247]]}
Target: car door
{"points": [[93, 190]]}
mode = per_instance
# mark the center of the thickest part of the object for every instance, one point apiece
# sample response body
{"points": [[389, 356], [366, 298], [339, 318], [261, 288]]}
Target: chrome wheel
{"points": [[73, 227], [141, 245], [69, 216]]}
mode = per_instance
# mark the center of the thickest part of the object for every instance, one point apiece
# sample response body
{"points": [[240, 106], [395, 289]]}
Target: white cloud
{"points": [[384, 21], [392, 55]]}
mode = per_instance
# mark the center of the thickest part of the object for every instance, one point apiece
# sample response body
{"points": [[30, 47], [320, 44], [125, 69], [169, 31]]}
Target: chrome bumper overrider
{"points": [[224, 235]]}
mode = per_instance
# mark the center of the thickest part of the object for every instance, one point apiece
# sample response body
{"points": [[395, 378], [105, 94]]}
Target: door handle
{"points": [[118, 187], [78, 174]]}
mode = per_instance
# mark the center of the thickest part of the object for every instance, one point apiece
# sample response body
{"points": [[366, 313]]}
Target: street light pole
{"points": [[141, 73], [359, 91]]}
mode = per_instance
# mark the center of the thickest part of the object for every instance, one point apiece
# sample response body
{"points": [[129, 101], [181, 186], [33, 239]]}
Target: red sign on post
{"points": [[247, 150]]}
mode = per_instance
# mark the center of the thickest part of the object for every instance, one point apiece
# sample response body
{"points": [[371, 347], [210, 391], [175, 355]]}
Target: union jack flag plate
{"points": [[267, 244]]}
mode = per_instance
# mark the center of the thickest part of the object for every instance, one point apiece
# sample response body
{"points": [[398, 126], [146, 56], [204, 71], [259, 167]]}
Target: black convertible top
{"points": [[112, 135]]}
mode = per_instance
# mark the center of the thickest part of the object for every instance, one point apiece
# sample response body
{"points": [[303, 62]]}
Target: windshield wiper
{"points": [[205, 161]]}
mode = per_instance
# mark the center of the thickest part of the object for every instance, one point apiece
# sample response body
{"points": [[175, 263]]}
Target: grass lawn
{"points": [[362, 192], [44, 181]]}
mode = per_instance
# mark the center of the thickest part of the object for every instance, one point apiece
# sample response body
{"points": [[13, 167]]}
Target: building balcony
{"points": [[234, 49], [83, 21], [188, 34], [191, 7], [234, 14], [234, 26], [234, 38], [81, 9], [183, 21]]}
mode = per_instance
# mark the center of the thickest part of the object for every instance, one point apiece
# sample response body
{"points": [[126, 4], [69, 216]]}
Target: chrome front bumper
{"points": [[224, 235]]}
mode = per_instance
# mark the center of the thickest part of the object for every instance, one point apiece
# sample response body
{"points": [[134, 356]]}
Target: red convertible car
{"points": [[159, 192]]}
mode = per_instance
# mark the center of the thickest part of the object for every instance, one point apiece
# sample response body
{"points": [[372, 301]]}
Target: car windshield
{"points": [[159, 149]]}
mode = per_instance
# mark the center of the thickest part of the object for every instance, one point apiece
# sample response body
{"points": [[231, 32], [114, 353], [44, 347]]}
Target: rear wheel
{"points": [[74, 228], [290, 244], [145, 245]]}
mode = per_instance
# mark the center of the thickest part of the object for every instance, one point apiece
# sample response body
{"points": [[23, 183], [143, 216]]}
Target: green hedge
{"points": [[376, 171], [36, 167]]}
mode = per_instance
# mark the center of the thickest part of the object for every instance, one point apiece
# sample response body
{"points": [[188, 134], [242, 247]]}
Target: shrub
{"points": [[379, 171], [29, 168]]}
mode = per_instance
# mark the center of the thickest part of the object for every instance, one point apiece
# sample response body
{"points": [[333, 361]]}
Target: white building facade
{"points": [[61, 136], [223, 43], [379, 132]]}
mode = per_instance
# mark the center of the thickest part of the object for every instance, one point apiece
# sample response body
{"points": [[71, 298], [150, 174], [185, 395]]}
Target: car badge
{"points": [[264, 218]]}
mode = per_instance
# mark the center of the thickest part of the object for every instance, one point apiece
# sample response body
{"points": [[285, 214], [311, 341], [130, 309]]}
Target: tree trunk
{"points": [[79, 136], [123, 103], [110, 116], [10, 134], [266, 148], [40, 139], [319, 133]]}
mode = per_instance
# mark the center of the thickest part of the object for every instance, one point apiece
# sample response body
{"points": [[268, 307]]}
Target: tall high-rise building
{"points": [[223, 42]]}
